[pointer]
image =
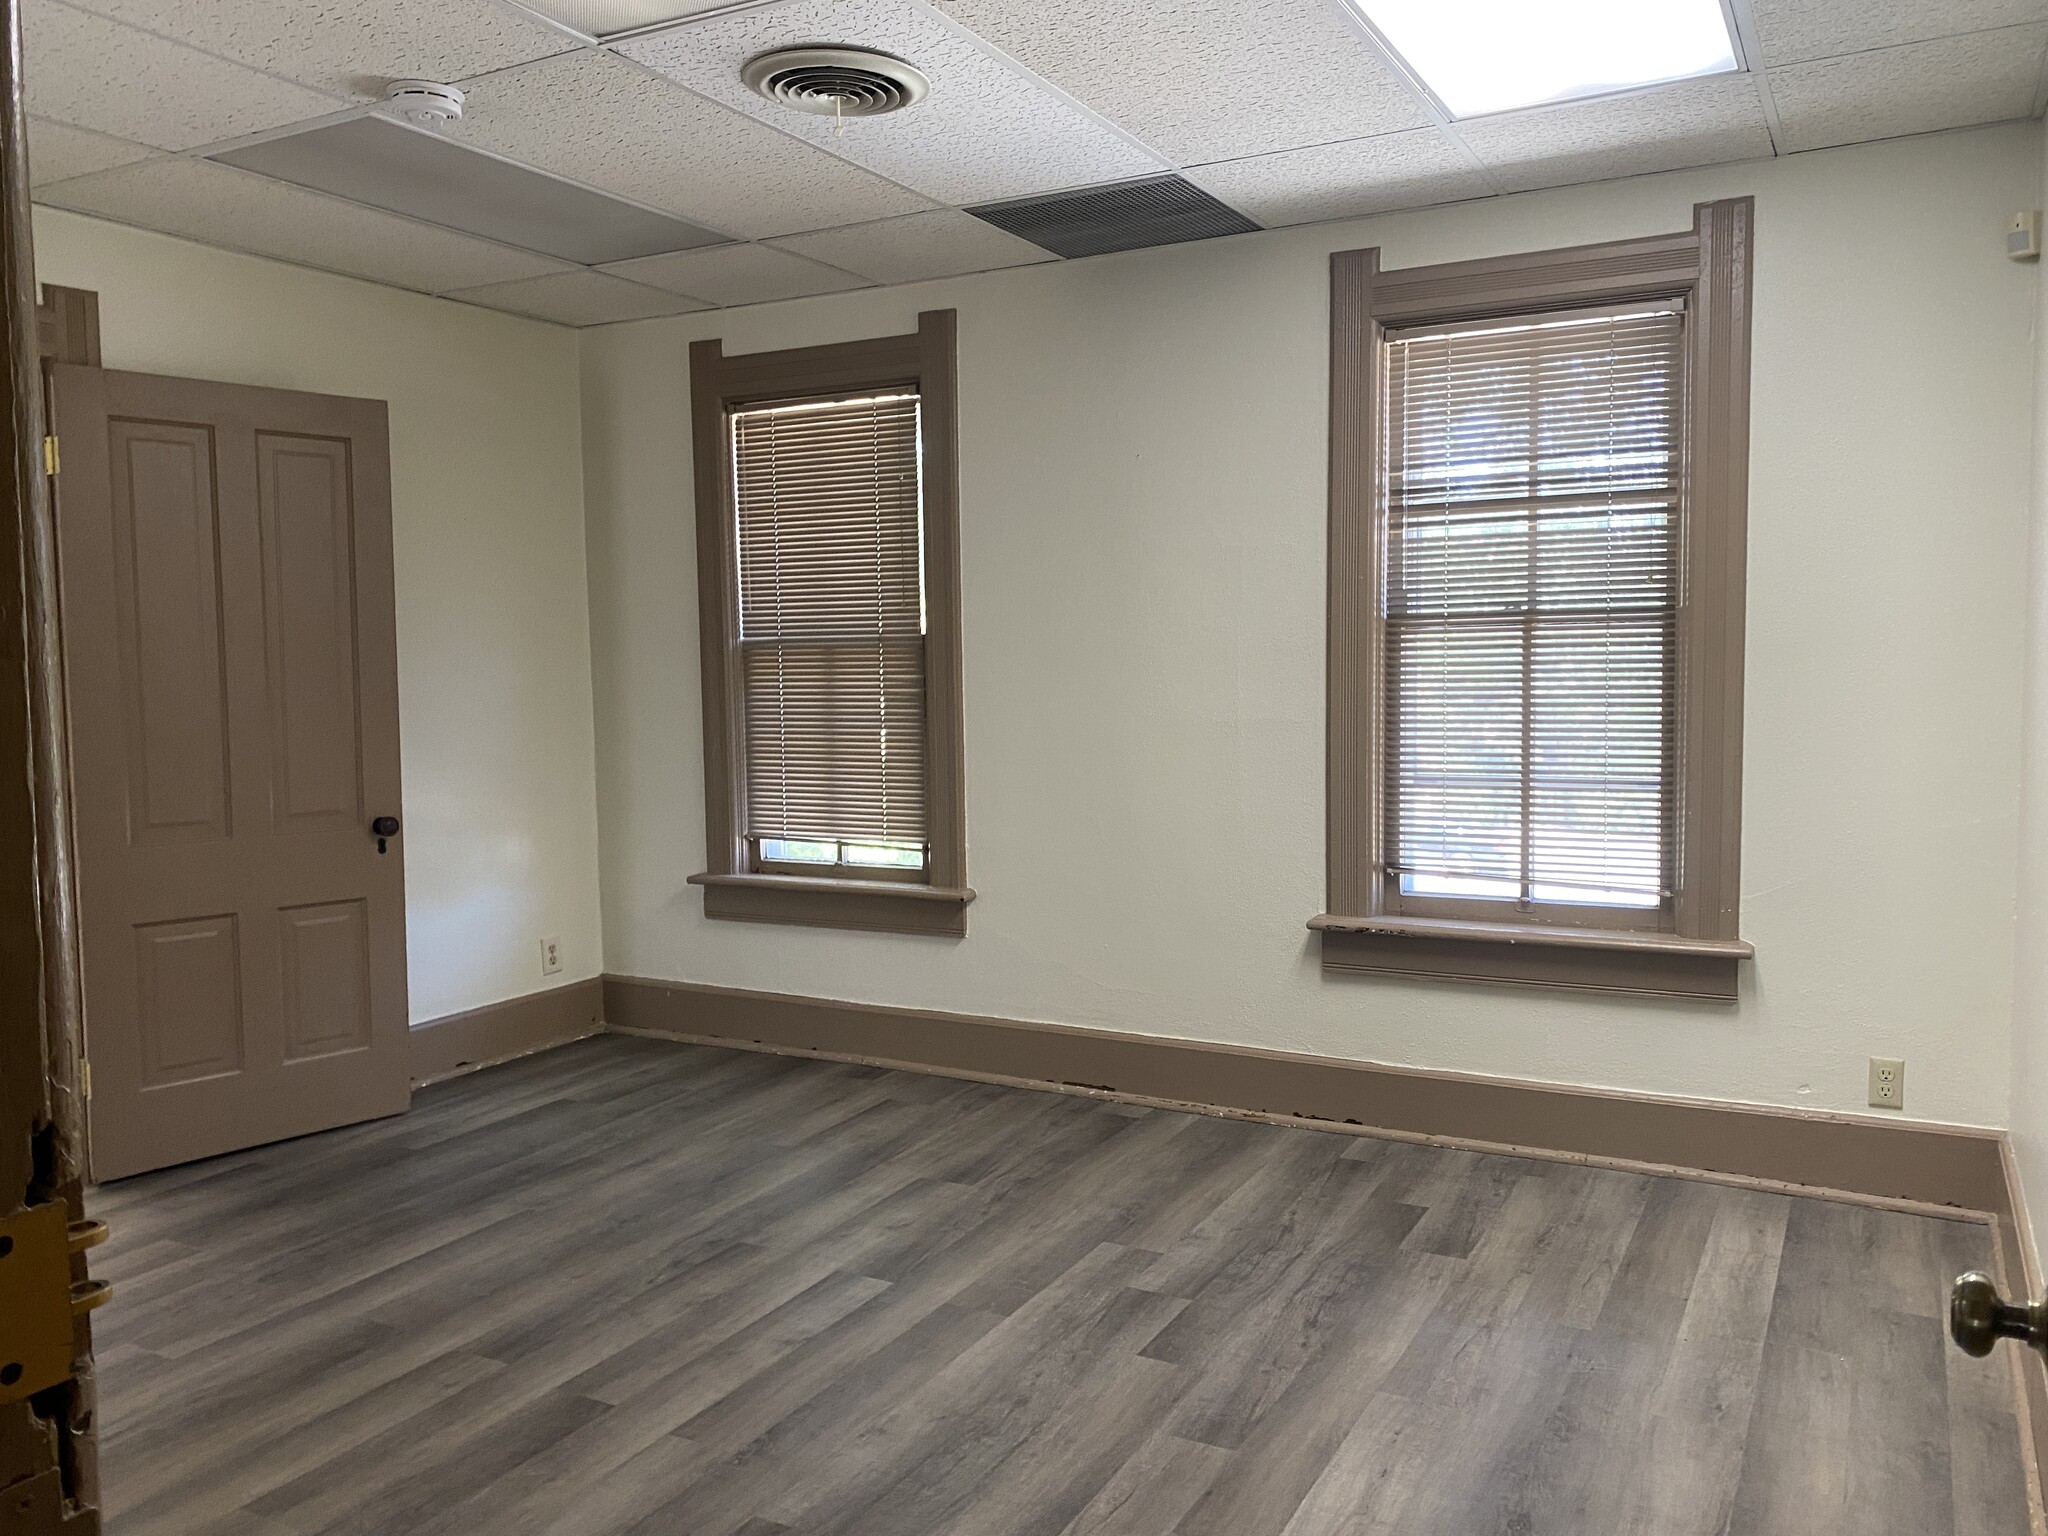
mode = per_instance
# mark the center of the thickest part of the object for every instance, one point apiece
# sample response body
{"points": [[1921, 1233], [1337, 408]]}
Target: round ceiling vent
{"points": [[836, 82], [427, 102]]}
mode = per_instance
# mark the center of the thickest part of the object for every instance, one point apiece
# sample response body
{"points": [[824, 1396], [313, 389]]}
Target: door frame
{"points": [[49, 1478]]}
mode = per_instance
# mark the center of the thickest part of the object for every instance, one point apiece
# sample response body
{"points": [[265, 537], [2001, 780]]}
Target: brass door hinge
{"points": [[51, 461]]}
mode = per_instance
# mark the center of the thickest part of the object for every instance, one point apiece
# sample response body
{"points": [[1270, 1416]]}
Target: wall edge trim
{"points": [[1949, 1169], [457, 1043], [2018, 1274]]}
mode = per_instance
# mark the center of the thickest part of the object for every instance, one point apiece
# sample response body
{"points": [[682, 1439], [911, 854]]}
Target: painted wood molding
{"points": [[1859, 1155], [462, 1042], [2019, 1276]]}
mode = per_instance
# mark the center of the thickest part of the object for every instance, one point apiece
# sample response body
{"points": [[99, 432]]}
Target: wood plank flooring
{"points": [[635, 1288]]}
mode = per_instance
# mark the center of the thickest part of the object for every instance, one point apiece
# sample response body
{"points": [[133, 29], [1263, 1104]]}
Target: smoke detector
{"points": [[836, 82], [426, 102]]}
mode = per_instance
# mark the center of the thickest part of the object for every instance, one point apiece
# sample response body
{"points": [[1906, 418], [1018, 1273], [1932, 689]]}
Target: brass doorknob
{"points": [[1978, 1317]]}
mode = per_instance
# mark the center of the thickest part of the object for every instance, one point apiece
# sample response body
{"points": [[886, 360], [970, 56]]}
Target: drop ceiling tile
{"points": [[58, 153], [1204, 80], [985, 131], [944, 243], [371, 158], [1793, 31], [1344, 181], [219, 205], [1980, 78], [581, 297], [612, 125], [725, 275], [93, 73], [1698, 122], [351, 47], [603, 18]]}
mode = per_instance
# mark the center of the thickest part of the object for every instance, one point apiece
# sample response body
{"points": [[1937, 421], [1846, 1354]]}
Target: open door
{"points": [[231, 684]]}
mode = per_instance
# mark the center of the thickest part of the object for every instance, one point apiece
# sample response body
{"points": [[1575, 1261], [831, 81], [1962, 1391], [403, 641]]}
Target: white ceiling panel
{"points": [[1980, 78], [1205, 80], [607, 123], [93, 73], [918, 246], [223, 206], [581, 297], [1699, 122], [354, 48], [602, 18], [1792, 31], [724, 275], [58, 153], [986, 132], [1342, 181]]}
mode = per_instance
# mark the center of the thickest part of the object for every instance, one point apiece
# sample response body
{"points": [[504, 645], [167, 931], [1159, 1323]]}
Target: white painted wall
{"points": [[2027, 1113], [487, 512], [1143, 522]]}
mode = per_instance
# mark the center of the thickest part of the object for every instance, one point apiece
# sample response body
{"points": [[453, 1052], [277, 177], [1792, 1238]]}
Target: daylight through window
{"points": [[1533, 475]]}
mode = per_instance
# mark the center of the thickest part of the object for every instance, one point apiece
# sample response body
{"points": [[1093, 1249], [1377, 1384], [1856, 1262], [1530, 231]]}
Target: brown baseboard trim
{"points": [[481, 1037], [1918, 1162]]}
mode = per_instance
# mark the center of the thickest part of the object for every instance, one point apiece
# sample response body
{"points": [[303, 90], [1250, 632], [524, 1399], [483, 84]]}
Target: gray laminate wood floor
{"points": [[634, 1288]]}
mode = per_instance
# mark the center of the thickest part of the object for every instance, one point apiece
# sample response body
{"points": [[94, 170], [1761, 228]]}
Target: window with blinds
{"points": [[832, 632], [1532, 476]]}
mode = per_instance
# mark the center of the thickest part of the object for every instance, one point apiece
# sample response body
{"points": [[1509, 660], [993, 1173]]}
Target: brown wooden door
{"points": [[231, 677]]}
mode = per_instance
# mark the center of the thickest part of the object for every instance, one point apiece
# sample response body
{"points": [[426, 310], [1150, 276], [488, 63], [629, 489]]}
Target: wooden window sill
{"points": [[1531, 954], [828, 901]]}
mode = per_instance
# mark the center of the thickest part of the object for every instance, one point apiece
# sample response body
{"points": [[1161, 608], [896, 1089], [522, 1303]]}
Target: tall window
{"points": [[1536, 553], [828, 586], [1532, 485], [831, 638]]}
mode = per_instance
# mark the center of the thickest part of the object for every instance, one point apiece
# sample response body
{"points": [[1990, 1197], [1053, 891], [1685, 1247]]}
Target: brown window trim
{"points": [[719, 384], [1699, 954]]}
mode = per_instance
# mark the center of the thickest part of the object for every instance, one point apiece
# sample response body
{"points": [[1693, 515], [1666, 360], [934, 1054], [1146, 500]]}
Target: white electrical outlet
{"points": [[551, 962], [1887, 1083]]}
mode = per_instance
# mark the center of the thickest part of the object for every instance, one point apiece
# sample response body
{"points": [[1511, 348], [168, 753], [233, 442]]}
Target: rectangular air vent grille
{"points": [[1124, 216]]}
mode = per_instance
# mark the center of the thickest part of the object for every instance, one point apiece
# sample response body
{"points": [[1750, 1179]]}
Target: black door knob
{"points": [[385, 826], [1978, 1317]]}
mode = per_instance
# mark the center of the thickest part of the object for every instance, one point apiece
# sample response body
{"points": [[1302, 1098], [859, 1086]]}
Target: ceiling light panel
{"points": [[984, 131], [609, 124], [387, 165], [1482, 56]]}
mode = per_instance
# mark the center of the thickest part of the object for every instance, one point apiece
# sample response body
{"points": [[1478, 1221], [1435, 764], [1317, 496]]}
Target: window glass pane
{"points": [[781, 851], [828, 509], [1532, 499], [889, 855]]}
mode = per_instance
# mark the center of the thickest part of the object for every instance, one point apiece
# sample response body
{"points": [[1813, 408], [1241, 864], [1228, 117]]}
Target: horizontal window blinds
{"points": [[831, 617], [1532, 473]]}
